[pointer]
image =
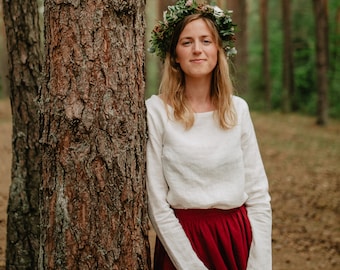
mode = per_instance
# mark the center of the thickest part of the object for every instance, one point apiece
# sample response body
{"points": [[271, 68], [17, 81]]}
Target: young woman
{"points": [[207, 188]]}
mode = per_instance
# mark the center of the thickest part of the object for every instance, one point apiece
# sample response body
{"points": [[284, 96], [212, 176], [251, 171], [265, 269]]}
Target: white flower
{"points": [[218, 12], [232, 51], [188, 3], [164, 17]]}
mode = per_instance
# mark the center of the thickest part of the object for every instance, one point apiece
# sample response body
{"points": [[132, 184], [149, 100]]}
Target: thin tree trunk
{"points": [[221, 3], [321, 30], [93, 137], [265, 54], [334, 63], [288, 67], [23, 42], [163, 5], [240, 17]]}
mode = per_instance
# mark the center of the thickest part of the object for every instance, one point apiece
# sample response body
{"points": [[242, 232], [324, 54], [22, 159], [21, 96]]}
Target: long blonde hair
{"points": [[173, 80]]}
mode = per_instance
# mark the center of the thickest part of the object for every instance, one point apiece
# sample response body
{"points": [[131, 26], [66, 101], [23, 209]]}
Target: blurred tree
{"points": [[221, 3], [287, 58], [240, 17], [152, 62], [265, 53], [93, 136], [23, 42], [163, 5], [334, 61], [322, 61], [336, 44]]}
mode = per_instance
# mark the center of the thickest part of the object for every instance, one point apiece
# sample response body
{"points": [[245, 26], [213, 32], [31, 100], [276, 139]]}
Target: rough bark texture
{"points": [[93, 136], [265, 52], [322, 61], [4, 82], [288, 67], [23, 42], [240, 17]]}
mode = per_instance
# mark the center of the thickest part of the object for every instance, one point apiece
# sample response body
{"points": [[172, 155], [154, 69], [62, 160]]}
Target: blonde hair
{"points": [[172, 83]]}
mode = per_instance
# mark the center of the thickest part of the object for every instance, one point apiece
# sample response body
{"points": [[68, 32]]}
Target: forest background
{"points": [[305, 229], [303, 46], [303, 51]]}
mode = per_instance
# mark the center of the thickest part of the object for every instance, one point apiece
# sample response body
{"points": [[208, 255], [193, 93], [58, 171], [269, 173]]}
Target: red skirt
{"points": [[220, 238]]}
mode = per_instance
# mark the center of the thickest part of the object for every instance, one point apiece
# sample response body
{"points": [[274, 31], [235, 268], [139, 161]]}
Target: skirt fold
{"points": [[220, 238]]}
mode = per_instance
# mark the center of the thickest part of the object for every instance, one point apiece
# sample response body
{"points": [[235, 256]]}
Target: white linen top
{"points": [[205, 167]]}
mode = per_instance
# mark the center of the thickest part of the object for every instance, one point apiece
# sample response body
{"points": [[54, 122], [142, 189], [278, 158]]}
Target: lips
{"points": [[197, 60]]}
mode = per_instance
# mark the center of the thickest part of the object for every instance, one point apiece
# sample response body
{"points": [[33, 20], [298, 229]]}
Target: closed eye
{"points": [[186, 43], [207, 41]]}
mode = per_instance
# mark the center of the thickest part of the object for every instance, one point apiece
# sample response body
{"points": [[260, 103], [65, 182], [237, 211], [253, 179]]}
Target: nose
{"points": [[197, 48]]}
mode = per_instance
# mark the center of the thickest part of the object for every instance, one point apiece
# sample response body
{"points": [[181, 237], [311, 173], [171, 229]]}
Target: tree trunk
{"points": [[240, 17], [288, 68], [321, 30], [23, 42], [334, 67], [163, 5], [221, 3], [4, 82], [94, 211], [265, 52]]}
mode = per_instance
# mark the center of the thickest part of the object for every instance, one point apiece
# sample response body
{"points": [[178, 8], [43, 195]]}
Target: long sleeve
{"points": [[258, 202], [162, 217]]}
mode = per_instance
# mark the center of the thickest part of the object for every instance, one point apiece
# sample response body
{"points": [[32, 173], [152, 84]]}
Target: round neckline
{"points": [[198, 114], [202, 114]]}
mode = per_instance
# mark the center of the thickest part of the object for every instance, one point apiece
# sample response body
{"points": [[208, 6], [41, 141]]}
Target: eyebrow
{"points": [[203, 36]]}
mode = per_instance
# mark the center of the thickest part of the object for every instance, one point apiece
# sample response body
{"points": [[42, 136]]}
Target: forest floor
{"points": [[303, 166]]}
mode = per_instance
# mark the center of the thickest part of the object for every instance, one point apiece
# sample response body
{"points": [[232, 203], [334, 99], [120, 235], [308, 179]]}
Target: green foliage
{"points": [[303, 38]]}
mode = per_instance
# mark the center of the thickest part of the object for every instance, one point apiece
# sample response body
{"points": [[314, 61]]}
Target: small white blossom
{"points": [[164, 17], [188, 3], [218, 12], [232, 51]]}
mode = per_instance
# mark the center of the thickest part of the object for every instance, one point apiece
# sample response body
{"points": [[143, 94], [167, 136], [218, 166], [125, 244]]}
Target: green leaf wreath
{"points": [[162, 33]]}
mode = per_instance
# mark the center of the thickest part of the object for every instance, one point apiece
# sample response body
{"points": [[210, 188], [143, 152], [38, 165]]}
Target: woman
{"points": [[207, 188]]}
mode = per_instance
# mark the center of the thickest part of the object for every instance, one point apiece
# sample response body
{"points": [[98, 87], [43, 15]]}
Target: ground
{"points": [[302, 161]]}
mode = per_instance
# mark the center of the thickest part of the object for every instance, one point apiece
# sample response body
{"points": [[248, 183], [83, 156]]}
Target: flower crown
{"points": [[162, 33]]}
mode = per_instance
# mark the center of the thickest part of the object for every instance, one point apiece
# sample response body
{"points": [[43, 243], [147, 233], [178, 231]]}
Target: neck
{"points": [[197, 92]]}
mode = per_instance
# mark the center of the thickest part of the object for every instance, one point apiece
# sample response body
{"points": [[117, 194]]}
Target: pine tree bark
{"points": [[93, 137], [322, 60], [4, 82], [24, 54], [288, 67]]}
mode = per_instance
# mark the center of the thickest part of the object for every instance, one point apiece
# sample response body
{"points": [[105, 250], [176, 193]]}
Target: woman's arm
{"points": [[162, 217], [258, 202]]}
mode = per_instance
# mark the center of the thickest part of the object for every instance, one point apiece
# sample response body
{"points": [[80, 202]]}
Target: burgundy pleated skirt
{"points": [[220, 238]]}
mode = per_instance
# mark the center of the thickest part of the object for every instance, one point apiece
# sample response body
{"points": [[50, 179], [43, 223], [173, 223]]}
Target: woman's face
{"points": [[196, 50]]}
